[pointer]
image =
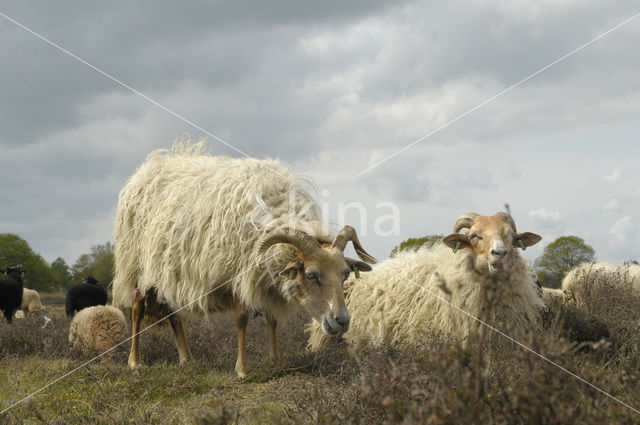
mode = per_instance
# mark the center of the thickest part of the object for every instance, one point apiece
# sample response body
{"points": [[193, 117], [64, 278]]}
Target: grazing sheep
{"points": [[96, 329], [487, 278], [194, 233], [31, 302], [11, 291], [85, 294]]}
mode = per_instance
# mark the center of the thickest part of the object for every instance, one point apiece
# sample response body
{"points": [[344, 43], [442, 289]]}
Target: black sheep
{"points": [[11, 291], [85, 294]]}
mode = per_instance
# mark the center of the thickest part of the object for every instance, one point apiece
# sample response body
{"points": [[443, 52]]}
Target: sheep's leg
{"points": [[137, 315], [242, 319], [180, 339], [274, 347]]}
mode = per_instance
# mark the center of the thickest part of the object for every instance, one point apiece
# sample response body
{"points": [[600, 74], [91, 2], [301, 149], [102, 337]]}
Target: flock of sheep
{"points": [[197, 234], [94, 329]]}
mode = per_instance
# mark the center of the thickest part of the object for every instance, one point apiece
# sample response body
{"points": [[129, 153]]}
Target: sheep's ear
{"points": [[525, 239], [457, 241], [361, 265], [291, 271]]}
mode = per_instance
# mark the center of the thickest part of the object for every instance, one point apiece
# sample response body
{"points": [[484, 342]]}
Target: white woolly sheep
{"points": [[95, 330], [576, 275], [192, 233], [573, 282], [487, 278], [553, 296], [31, 302]]}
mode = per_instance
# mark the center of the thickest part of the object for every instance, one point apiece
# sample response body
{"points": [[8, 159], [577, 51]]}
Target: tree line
{"points": [[58, 275], [558, 257]]}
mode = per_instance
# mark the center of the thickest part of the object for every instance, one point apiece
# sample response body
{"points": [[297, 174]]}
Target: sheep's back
{"points": [[394, 303], [94, 330]]}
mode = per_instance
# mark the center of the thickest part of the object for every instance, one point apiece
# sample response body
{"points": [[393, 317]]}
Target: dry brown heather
{"points": [[438, 382]]}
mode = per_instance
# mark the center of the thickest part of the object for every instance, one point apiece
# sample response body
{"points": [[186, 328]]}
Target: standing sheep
{"points": [[11, 291], [487, 279], [85, 294], [97, 329], [205, 234]]}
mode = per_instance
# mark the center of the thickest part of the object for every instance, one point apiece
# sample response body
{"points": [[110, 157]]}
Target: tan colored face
{"points": [[493, 241], [319, 280]]}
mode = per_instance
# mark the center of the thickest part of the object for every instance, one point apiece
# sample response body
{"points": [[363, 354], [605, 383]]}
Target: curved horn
{"points": [[300, 240], [508, 219], [464, 221], [347, 234]]}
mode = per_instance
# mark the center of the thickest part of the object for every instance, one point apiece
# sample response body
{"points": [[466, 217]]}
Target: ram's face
{"points": [[315, 277], [493, 241], [492, 244], [316, 281]]}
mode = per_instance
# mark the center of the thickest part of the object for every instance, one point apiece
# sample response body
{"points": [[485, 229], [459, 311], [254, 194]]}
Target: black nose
{"points": [[344, 322]]}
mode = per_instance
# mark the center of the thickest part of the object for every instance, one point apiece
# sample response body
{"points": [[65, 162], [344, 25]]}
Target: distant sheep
{"points": [[553, 297], [599, 300], [31, 302], [95, 330], [573, 281], [208, 234], [487, 279], [579, 282], [85, 294], [11, 290]]}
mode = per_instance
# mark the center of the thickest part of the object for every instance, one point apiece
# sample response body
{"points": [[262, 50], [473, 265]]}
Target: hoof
{"points": [[185, 361]]}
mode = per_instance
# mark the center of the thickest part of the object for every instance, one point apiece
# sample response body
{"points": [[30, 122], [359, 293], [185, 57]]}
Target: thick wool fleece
{"points": [[94, 330], [398, 301], [31, 301], [189, 225]]}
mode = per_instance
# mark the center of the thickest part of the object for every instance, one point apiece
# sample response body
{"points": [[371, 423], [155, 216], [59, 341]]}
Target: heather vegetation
{"points": [[438, 382], [594, 333]]}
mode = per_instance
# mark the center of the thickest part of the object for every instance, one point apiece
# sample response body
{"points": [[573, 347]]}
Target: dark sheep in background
{"points": [[85, 294], [11, 291]]}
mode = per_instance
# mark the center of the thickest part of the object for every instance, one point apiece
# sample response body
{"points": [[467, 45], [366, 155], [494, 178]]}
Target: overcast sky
{"points": [[331, 88]]}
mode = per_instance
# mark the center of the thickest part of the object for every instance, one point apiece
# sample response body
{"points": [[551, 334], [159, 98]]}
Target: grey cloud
{"points": [[296, 80], [155, 50]]}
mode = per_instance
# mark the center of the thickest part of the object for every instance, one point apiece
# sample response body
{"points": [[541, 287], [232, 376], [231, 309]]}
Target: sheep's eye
{"points": [[476, 237], [311, 276], [346, 275]]}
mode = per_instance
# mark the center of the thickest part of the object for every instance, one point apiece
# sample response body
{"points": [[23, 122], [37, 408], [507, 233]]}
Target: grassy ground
{"points": [[438, 382]]}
